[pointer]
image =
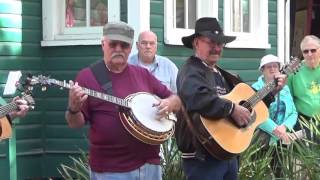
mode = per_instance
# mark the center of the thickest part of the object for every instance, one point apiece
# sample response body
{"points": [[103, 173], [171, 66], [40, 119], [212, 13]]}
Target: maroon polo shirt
{"points": [[112, 148]]}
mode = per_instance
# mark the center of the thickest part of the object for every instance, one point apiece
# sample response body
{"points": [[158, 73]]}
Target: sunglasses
{"points": [[306, 51], [123, 45]]}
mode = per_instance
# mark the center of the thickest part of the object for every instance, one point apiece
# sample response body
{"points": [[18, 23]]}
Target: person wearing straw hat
{"points": [[200, 83]]}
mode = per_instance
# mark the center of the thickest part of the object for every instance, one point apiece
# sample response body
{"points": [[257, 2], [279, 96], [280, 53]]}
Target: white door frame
{"points": [[283, 30]]}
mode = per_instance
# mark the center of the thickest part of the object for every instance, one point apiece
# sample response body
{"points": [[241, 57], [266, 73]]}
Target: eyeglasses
{"points": [[145, 43], [306, 51], [271, 66], [212, 43], [114, 44]]}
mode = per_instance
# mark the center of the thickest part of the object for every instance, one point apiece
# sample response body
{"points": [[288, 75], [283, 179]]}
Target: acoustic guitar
{"points": [[221, 137], [5, 124]]}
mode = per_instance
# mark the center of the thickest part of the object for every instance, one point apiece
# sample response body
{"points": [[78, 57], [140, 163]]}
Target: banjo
{"points": [[137, 113]]}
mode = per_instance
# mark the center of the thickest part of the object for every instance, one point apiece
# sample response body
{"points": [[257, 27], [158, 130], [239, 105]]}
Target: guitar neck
{"points": [[258, 96], [6, 109], [93, 93], [292, 67]]}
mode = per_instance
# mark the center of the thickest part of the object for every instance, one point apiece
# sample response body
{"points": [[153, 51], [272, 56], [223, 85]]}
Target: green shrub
{"points": [[299, 160]]}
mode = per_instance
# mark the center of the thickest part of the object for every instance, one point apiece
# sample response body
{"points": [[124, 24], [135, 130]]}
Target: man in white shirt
{"points": [[161, 67]]}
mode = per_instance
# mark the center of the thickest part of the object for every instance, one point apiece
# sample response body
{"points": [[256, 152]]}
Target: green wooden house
{"points": [[59, 37]]}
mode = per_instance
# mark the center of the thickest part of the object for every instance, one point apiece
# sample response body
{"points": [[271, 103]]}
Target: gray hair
{"points": [[310, 38]]}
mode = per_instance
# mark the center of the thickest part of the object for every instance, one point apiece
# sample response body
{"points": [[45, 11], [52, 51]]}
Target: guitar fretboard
{"points": [[258, 96], [253, 100], [93, 93], [4, 110]]}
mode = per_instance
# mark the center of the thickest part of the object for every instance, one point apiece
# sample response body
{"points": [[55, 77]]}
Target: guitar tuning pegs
{"points": [[31, 107]]}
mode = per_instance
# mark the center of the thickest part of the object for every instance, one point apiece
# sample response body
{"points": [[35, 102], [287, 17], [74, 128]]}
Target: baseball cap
{"points": [[118, 31], [269, 59]]}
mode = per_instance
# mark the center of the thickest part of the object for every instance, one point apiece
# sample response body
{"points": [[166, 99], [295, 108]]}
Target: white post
{"points": [[138, 18]]}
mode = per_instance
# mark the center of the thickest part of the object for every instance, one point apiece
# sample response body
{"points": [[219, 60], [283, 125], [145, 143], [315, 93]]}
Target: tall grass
{"points": [[297, 161]]}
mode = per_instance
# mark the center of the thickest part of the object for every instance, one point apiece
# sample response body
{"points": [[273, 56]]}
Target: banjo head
{"points": [[141, 107]]}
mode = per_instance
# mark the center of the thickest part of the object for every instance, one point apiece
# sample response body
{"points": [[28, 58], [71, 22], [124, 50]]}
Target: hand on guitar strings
{"points": [[76, 97], [281, 80], [23, 108], [240, 115]]}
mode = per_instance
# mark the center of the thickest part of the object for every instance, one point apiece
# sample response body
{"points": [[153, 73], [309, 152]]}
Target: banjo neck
{"points": [[93, 93]]}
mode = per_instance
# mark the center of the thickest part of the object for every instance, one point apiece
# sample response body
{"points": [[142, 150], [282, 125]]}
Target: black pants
{"points": [[210, 169]]}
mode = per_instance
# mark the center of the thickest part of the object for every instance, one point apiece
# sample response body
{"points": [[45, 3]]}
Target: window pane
{"points": [[98, 12], [75, 13], [180, 14], [236, 12], [241, 16], [183, 17], [192, 4], [246, 15]]}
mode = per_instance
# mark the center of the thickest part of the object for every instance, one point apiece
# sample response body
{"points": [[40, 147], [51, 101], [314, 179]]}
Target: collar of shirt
{"points": [[212, 68], [151, 67]]}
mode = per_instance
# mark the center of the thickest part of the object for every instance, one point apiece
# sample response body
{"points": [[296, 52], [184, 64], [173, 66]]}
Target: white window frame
{"points": [[173, 35], [55, 33], [258, 37]]}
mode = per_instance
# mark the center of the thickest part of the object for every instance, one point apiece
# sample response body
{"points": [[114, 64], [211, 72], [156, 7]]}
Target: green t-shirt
{"points": [[305, 90]]}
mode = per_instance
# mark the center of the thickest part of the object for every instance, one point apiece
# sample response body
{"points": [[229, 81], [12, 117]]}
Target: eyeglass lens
{"points": [[306, 51], [123, 45]]}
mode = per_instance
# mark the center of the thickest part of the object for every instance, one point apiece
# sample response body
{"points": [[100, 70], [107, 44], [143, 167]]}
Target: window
{"points": [[76, 22], [248, 21], [85, 13], [180, 17]]}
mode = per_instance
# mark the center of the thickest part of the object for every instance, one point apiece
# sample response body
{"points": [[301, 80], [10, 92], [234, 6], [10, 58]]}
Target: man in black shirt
{"points": [[200, 83]]}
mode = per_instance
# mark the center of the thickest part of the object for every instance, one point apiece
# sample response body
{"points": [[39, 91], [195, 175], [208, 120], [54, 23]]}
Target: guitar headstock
{"points": [[40, 79], [43, 81], [292, 67]]}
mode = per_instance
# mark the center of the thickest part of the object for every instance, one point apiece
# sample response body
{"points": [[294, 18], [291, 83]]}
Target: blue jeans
{"points": [[210, 169], [145, 172]]}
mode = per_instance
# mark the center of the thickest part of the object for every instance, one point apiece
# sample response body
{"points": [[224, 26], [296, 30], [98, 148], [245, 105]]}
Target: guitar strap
{"points": [[102, 75]]}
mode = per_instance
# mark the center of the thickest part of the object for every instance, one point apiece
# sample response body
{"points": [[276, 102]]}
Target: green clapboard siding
{"points": [[20, 36]]}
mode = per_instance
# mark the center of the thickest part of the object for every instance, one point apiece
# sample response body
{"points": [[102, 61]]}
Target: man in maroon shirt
{"points": [[114, 152]]}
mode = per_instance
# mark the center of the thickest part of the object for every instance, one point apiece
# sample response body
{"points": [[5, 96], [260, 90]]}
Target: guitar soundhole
{"points": [[246, 104]]}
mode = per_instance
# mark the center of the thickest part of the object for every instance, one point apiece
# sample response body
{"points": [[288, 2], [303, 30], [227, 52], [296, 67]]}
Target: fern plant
{"points": [[78, 170]]}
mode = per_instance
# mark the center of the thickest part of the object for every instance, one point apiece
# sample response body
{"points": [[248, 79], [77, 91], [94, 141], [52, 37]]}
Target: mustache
{"points": [[215, 51], [117, 54]]}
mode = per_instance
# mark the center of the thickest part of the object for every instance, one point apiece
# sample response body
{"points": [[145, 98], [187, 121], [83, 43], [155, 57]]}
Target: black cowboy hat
{"points": [[208, 27]]}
